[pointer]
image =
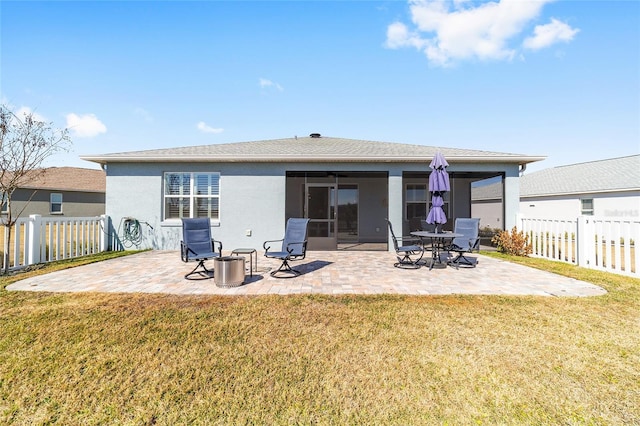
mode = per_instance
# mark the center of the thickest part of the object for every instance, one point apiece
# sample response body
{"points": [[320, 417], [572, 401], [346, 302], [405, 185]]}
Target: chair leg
{"points": [[406, 262], [286, 269], [204, 274], [461, 259]]}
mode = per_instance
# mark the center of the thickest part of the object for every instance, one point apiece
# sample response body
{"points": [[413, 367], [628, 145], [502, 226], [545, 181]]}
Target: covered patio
{"points": [[323, 272]]}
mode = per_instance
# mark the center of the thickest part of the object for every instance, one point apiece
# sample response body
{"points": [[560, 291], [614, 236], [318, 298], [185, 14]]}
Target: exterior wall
{"points": [[489, 212], [74, 204], [567, 207], [620, 204], [252, 198], [255, 199], [396, 206]]}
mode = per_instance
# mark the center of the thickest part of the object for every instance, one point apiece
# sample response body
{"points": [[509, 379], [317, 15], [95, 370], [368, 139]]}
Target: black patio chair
{"points": [[409, 250], [198, 245], [469, 242], [294, 247]]}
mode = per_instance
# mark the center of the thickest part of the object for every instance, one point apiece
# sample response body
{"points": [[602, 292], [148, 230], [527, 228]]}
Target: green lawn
{"points": [[159, 359]]}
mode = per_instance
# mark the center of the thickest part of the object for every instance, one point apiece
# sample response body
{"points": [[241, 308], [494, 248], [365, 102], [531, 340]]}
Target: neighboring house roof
{"points": [[491, 191], [309, 149], [68, 179], [610, 175]]}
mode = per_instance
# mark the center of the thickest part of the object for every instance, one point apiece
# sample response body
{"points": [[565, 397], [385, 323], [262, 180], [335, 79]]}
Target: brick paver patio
{"points": [[323, 272]]}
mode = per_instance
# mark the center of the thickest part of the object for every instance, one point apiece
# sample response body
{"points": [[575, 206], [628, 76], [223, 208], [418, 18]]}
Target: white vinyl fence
{"points": [[603, 243], [38, 239]]}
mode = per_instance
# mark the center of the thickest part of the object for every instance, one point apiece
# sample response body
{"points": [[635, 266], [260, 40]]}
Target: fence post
{"points": [[105, 232], [6, 260], [582, 242], [519, 222], [33, 239]]}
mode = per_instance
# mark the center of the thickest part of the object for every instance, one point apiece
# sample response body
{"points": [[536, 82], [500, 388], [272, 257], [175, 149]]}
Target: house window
{"points": [[586, 206], [188, 195], [3, 203], [55, 204], [416, 201]]}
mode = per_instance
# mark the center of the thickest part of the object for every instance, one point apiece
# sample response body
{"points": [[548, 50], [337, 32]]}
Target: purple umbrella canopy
{"points": [[438, 184], [439, 178], [436, 214]]}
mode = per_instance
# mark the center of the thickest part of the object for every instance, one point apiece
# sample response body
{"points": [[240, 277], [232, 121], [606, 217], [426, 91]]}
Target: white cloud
{"points": [[398, 36], [455, 30], [85, 126], [552, 33], [22, 112], [265, 83], [205, 128]]}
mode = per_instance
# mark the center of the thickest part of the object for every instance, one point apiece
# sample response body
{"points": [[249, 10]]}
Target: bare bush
{"points": [[514, 243]]}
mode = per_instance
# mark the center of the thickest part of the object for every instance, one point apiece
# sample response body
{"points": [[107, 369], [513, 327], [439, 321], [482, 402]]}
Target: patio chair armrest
{"points": [[295, 243], [215, 243], [266, 247], [410, 240], [183, 252]]}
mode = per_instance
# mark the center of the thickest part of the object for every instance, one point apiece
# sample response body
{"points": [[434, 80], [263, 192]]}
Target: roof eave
{"points": [[45, 188], [294, 158]]}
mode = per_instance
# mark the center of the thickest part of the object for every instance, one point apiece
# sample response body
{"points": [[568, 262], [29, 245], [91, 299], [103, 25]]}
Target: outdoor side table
{"points": [[252, 253]]}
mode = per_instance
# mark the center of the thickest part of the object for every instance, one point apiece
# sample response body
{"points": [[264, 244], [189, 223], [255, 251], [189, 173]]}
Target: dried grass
{"points": [[153, 359]]}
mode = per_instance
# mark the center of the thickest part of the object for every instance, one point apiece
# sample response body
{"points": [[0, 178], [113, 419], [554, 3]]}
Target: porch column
{"points": [[395, 204], [511, 198]]}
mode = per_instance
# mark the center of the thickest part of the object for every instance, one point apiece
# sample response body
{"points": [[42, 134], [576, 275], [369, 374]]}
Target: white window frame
{"points": [[53, 202], [4, 205], [190, 195], [407, 202], [583, 210]]}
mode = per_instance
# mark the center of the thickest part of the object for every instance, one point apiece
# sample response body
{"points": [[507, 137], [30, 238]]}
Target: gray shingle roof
{"points": [[610, 175], [308, 149], [67, 179], [491, 192], [614, 174]]}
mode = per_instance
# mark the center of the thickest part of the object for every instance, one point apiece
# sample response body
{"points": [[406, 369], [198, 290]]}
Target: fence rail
{"points": [[601, 243], [38, 239]]}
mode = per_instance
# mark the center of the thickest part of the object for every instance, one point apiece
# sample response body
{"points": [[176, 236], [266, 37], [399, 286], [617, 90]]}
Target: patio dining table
{"points": [[438, 242]]}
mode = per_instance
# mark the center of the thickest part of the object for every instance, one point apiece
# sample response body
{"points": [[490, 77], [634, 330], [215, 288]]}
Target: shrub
{"points": [[514, 242], [489, 232]]}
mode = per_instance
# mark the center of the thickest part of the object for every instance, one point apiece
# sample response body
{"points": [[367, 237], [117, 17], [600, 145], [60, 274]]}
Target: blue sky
{"points": [[560, 79]]}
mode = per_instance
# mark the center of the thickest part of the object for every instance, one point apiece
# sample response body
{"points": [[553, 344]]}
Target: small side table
{"points": [[252, 254]]}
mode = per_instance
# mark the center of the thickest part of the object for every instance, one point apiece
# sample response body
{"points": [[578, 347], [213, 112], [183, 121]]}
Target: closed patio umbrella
{"points": [[436, 213], [439, 177], [438, 185]]}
